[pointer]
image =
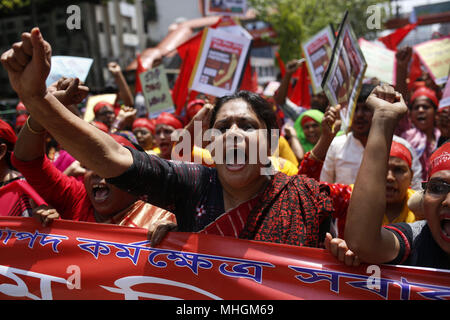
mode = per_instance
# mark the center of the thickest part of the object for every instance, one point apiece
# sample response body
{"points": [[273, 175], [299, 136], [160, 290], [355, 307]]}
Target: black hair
{"points": [[259, 105], [263, 109], [366, 90]]}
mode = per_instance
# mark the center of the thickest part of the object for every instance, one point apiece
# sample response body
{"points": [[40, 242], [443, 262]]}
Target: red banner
{"points": [[78, 260]]}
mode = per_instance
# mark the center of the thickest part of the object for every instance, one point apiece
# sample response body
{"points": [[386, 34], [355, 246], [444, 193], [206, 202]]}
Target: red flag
{"points": [[392, 40], [300, 94], [280, 64], [415, 70], [249, 79], [140, 68]]}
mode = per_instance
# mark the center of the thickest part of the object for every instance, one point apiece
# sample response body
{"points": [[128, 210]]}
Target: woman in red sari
{"points": [[233, 196]]}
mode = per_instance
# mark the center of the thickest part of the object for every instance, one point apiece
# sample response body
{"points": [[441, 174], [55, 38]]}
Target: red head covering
{"points": [[123, 141], [100, 125], [7, 133], [20, 120], [144, 123], [193, 107], [425, 92], [440, 159], [99, 105], [307, 119], [169, 119], [398, 150], [417, 84]]}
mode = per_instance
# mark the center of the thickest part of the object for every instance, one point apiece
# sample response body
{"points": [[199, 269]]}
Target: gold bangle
{"points": [[315, 157], [34, 131]]}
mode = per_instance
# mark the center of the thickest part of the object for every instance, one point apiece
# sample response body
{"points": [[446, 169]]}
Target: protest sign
{"points": [[435, 56], [445, 100], [69, 67], [381, 62], [155, 88], [226, 7], [220, 62], [317, 52], [343, 79], [79, 260]]}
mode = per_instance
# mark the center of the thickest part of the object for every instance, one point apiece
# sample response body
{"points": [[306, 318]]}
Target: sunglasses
{"points": [[437, 188]]}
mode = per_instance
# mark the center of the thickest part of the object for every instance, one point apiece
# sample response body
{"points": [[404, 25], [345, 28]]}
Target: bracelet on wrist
{"points": [[32, 130]]}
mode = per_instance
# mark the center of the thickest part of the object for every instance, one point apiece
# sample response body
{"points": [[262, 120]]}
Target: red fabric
{"points": [[66, 194], [100, 125], [7, 133], [393, 39], [440, 159], [140, 68], [188, 53], [20, 107], [21, 120], [425, 92], [300, 94], [193, 107], [307, 119], [398, 150], [123, 141], [169, 119], [99, 105], [415, 71], [144, 123], [280, 64], [15, 199], [249, 79], [231, 223]]}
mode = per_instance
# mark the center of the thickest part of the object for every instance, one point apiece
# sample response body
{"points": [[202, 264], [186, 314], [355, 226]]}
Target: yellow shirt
{"points": [[406, 215], [284, 151]]}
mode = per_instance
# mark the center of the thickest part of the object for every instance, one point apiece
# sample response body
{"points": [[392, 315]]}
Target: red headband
{"points": [[425, 92], [398, 150], [99, 105], [7, 133], [307, 119], [169, 119], [440, 159], [193, 107], [144, 123]]}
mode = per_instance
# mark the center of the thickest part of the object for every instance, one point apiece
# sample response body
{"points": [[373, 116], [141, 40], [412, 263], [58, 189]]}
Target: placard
{"points": [[69, 67], [445, 100], [435, 56], [155, 88], [220, 63], [226, 7], [381, 62], [317, 52], [343, 79]]}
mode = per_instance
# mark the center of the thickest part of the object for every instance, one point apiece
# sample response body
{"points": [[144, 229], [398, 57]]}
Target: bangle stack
{"points": [[34, 131]]}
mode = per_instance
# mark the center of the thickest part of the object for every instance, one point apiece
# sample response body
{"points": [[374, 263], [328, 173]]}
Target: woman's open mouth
{"points": [[235, 159], [445, 227], [100, 192]]}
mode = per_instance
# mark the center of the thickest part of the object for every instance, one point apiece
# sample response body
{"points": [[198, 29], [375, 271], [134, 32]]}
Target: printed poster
{"points": [[69, 67], [220, 63], [155, 88], [343, 79], [381, 62], [317, 52], [435, 56], [226, 7], [445, 101]]}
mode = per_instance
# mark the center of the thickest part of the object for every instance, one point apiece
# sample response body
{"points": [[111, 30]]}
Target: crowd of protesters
{"points": [[359, 194]]}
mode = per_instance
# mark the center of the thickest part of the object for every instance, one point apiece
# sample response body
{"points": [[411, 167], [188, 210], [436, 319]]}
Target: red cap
{"points": [[7, 133], [425, 92], [170, 120], [99, 105], [440, 159], [398, 150], [193, 107], [144, 123]]}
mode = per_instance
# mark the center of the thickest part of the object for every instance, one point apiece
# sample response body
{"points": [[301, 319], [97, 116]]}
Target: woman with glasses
{"points": [[423, 243]]}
